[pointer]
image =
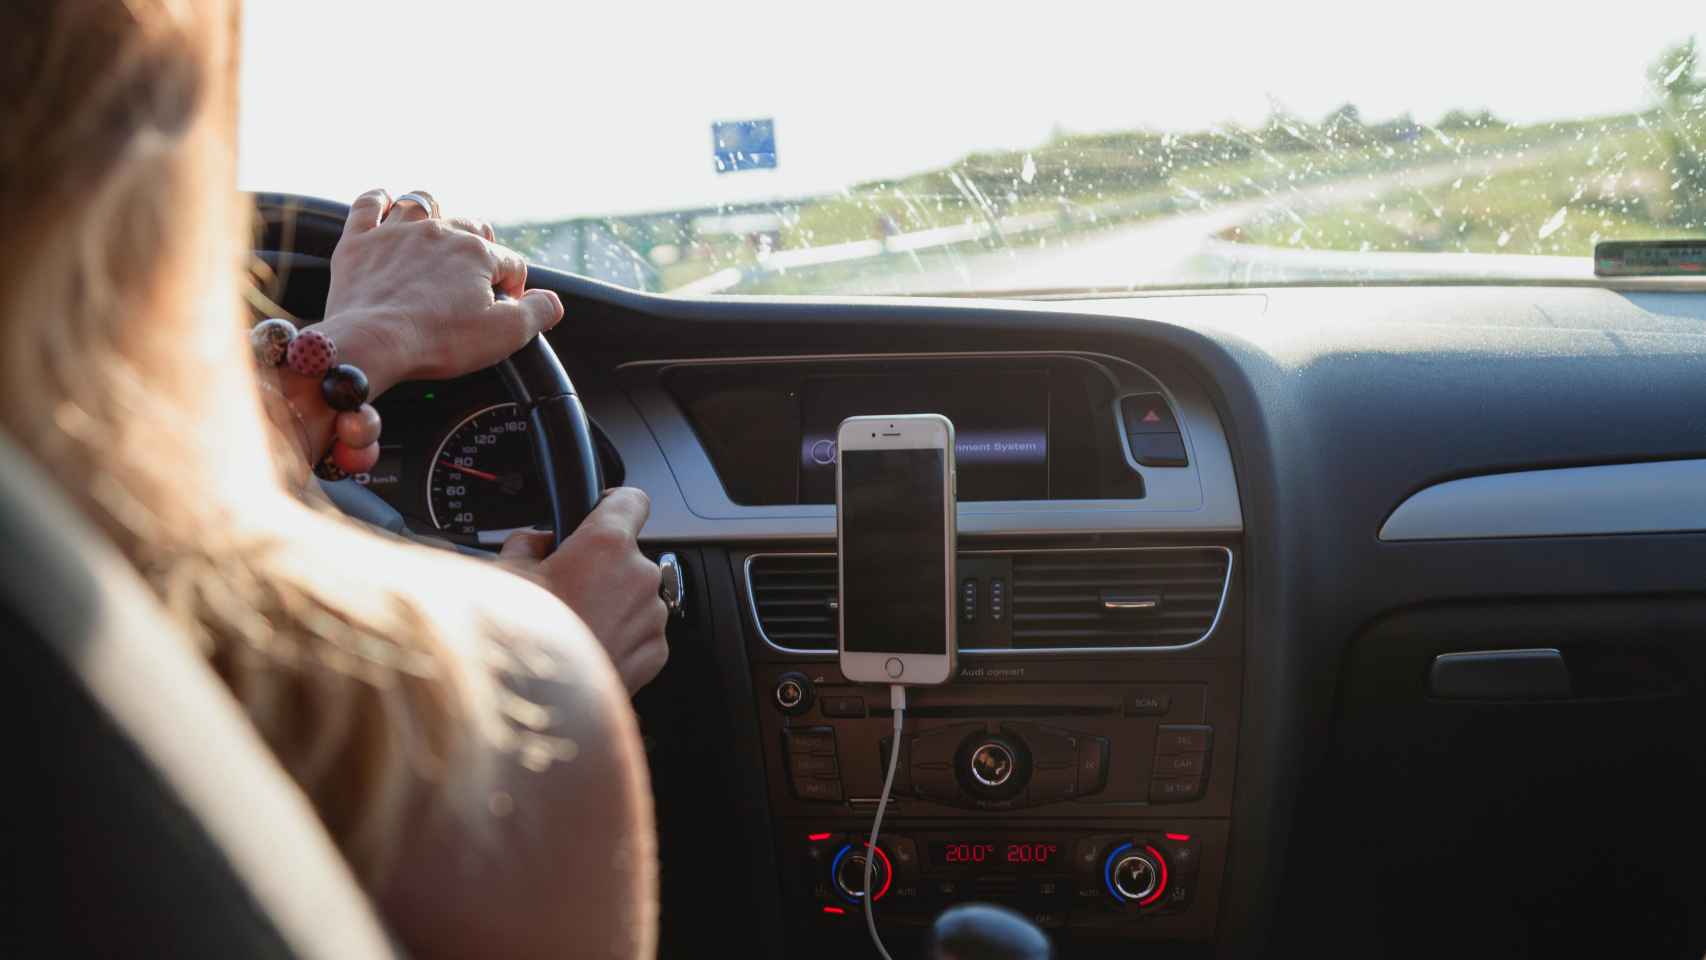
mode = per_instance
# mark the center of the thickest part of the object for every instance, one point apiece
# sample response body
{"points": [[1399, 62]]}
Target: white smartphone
{"points": [[895, 537]]}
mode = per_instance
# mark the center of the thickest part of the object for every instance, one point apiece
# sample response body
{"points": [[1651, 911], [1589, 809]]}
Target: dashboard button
{"points": [[1158, 449], [1175, 789], [827, 791], [1181, 738], [1148, 413], [843, 706], [793, 693], [818, 740], [1087, 857], [1092, 764], [1147, 702], [811, 765], [1049, 891], [1053, 784], [1181, 764], [903, 852]]}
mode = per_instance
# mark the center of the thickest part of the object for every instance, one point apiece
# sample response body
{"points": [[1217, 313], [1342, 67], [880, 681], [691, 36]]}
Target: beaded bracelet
{"points": [[310, 353]]}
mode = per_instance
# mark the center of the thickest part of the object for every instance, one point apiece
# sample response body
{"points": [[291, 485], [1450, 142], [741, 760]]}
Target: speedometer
{"points": [[483, 477]]}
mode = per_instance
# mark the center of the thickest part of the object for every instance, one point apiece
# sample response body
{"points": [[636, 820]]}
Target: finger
{"points": [[623, 509], [412, 206], [526, 545], [366, 211], [514, 322], [509, 271], [478, 228]]}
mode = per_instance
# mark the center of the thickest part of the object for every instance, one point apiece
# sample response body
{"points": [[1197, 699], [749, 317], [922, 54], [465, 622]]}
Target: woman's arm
{"points": [[553, 853]]}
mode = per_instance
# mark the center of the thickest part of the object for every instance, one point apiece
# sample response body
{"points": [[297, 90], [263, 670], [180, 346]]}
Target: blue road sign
{"points": [[744, 145]]}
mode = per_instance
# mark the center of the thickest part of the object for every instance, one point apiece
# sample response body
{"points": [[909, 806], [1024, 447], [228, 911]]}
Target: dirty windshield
{"points": [[916, 148]]}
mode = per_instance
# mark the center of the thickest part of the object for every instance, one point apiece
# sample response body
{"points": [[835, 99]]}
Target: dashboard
{"points": [[457, 462], [1425, 640]]}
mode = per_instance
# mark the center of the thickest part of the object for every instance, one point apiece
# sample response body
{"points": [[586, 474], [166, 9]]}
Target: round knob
{"points": [[993, 767], [672, 584], [1136, 875], [993, 763], [793, 693], [849, 873]]}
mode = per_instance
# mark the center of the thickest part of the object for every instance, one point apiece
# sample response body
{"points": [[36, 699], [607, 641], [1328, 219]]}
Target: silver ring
{"points": [[420, 198]]}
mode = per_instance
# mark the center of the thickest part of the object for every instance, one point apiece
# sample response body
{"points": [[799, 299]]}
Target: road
{"points": [[1176, 250]]}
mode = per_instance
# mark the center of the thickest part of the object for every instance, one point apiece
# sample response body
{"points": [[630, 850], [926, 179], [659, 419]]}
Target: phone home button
{"points": [[894, 668]]}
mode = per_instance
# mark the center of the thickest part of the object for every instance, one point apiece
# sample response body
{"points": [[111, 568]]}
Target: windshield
{"points": [[900, 148]]}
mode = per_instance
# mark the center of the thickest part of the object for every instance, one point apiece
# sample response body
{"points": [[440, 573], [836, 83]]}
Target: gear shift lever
{"points": [[981, 931]]}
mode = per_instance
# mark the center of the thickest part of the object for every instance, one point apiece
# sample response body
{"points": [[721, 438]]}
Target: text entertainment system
{"points": [[1001, 421]]}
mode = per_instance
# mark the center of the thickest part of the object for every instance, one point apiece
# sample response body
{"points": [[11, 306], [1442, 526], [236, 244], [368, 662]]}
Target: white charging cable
{"points": [[897, 702]]}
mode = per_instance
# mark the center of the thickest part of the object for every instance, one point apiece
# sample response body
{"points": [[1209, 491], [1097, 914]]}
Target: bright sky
{"points": [[517, 110]]}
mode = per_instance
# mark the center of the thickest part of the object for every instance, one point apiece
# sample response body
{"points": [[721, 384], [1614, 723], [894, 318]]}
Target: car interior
{"points": [[1337, 619], [1331, 551]]}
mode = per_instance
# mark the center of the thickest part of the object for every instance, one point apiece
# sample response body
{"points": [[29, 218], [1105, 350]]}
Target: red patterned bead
{"points": [[359, 427], [312, 353], [355, 459]]}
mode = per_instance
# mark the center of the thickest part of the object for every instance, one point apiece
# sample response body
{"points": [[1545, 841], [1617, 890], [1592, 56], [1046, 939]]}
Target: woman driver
{"points": [[463, 733]]}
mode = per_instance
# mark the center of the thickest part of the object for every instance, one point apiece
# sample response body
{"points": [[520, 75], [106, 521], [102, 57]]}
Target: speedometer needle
{"points": [[470, 471]]}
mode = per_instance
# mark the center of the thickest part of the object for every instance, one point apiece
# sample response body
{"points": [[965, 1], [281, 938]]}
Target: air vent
{"points": [[1061, 599], [793, 596], [1117, 598]]}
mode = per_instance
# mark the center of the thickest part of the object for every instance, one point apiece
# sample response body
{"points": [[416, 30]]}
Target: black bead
{"points": [[327, 470], [344, 387]]}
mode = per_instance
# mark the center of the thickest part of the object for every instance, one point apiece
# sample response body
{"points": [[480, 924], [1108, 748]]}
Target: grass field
{"points": [[1619, 183]]}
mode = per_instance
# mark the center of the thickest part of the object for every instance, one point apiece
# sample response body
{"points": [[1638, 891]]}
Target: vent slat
{"points": [[1055, 598], [1113, 582], [1188, 616], [792, 597], [1172, 596]]}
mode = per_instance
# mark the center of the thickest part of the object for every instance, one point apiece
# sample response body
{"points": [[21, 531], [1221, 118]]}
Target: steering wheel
{"points": [[305, 230], [560, 431]]}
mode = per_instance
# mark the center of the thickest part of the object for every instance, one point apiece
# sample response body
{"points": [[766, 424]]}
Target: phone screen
{"points": [[893, 562]]}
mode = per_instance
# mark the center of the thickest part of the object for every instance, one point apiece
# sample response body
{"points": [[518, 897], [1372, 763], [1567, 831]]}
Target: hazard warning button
{"points": [[1147, 413]]}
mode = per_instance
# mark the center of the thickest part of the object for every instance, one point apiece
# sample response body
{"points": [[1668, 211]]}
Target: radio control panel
{"points": [[1095, 795]]}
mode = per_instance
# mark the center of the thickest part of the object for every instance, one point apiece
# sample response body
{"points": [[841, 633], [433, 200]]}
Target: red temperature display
{"points": [[1018, 853], [1040, 854], [967, 852]]}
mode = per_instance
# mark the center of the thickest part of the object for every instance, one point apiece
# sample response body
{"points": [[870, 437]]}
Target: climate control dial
{"points": [[1135, 874], [848, 871]]}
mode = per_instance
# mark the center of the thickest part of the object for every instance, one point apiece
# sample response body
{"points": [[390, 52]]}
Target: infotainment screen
{"points": [[1001, 421]]}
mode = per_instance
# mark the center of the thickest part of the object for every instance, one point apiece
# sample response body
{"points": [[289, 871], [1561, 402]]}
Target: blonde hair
{"points": [[128, 377]]}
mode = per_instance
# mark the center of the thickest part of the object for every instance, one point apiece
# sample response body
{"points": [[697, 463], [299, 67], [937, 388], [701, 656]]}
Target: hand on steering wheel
{"points": [[416, 297], [454, 288]]}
